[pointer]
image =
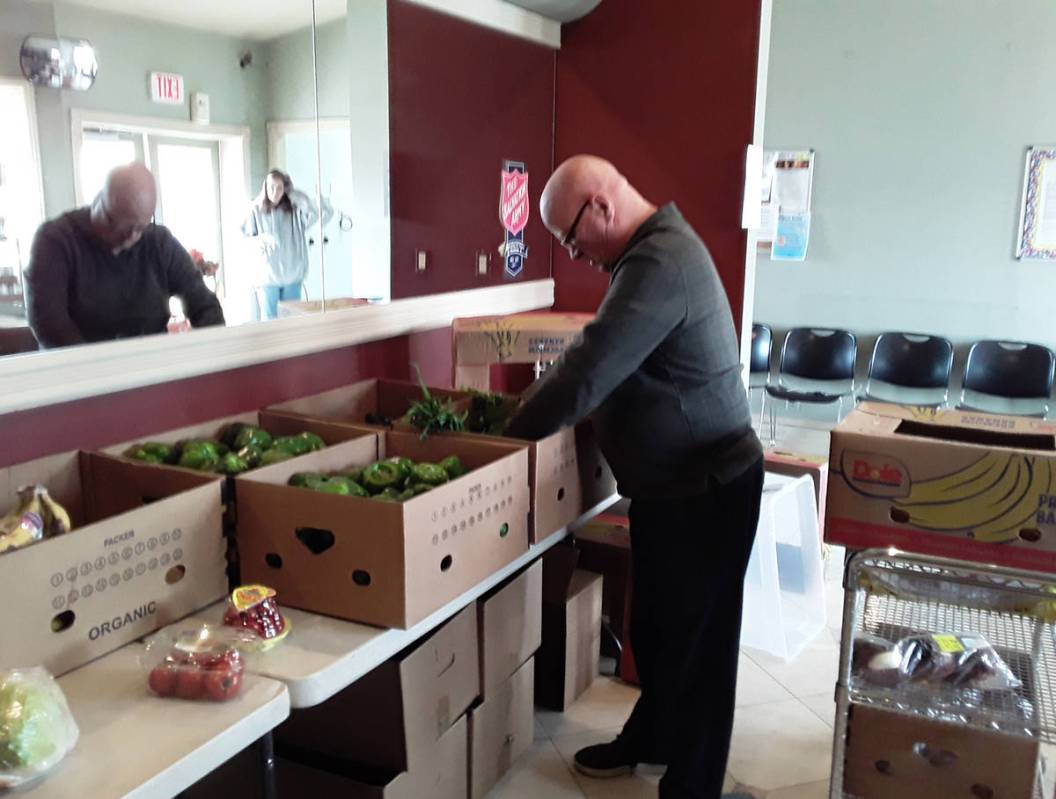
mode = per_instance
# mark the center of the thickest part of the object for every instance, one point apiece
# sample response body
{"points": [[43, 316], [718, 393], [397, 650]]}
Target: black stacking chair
{"points": [[910, 361], [820, 355], [1010, 370], [759, 366]]}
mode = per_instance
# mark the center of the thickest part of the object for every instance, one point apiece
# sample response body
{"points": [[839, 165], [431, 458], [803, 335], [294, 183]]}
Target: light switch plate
{"points": [[421, 260], [482, 263]]}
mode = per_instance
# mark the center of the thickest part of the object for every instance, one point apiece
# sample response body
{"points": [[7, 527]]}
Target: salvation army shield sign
{"points": [[513, 204]]}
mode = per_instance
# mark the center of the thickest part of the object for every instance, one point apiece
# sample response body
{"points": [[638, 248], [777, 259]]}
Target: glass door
{"points": [[188, 176], [21, 195]]}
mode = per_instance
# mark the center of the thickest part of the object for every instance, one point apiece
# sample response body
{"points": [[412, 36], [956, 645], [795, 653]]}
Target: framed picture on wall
{"points": [[1037, 216]]}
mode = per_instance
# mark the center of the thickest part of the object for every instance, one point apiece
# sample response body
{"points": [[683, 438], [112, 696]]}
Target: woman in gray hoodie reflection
{"points": [[279, 220]]}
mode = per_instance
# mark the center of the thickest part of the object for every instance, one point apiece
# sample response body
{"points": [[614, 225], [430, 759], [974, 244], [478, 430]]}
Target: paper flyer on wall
{"points": [[793, 176], [793, 234], [787, 184]]}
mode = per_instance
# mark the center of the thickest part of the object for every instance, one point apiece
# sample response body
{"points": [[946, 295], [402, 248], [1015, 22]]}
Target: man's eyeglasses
{"points": [[570, 238], [124, 231]]}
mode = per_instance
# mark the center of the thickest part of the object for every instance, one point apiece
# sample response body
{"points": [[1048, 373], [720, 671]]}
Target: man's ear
{"points": [[605, 205]]}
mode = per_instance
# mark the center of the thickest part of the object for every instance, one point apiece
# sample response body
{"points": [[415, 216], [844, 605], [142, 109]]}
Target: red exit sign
{"points": [[166, 87]]}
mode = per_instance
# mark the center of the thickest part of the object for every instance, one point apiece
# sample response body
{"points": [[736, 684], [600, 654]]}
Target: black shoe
{"points": [[605, 760]]}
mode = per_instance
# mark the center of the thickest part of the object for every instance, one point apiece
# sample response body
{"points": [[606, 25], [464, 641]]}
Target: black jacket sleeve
{"points": [[644, 303], [47, 286], [185, 281]]}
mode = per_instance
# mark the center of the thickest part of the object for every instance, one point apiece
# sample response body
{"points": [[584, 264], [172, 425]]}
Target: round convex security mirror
{"points": [[59, 63]]}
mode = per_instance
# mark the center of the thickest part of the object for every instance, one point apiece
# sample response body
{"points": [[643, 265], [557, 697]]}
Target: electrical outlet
{"points": [[482, 263], [421, 260]]}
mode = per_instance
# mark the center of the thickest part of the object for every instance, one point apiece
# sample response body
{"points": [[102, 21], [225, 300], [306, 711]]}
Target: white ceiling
{"points": [[250, 19]]}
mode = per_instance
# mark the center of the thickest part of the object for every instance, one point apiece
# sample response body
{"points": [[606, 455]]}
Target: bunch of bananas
{"points": [[992, 499], [36, 516]]}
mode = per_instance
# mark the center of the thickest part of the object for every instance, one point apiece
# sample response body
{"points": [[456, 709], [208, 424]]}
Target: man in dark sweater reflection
{"points": [[658, 373], [107, 271]]}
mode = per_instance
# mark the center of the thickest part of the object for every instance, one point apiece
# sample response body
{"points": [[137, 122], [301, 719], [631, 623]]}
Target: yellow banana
{"points": [[1006, 525], [962, 484], [56, 519], [24, 524], [988, 502]]}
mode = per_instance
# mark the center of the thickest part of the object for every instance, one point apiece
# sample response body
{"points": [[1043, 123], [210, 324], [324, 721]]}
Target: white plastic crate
{"points": [[784, 598]]}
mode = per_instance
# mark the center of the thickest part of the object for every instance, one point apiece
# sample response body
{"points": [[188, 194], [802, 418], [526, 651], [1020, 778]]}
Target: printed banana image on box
{"points": [[950, 483]]}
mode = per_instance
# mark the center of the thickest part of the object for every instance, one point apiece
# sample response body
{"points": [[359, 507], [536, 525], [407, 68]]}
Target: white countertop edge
{"points": [[217, 751], [319, 687], [45, 378]]}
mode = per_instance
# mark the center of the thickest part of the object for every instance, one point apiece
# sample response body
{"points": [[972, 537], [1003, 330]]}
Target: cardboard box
{"points": [[384, 563], [605, 549], [443, 775], [553, 472], [302, 307], [501, 729], [890, 754], [276, 424], [596, 477], [962, 485], [480, 341], [511, 626], [350, 404], [410, 701], [146, 549], [794, 464], [567, 662]]}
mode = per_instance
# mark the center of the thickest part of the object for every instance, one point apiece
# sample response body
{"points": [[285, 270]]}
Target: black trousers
{"points": [[689, 558]]}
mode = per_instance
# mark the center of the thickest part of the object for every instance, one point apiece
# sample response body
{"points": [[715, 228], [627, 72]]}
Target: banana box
{"points": [[957, 484]]}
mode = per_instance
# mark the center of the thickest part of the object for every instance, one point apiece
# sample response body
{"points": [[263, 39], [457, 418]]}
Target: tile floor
{"points": [[784, 709]]}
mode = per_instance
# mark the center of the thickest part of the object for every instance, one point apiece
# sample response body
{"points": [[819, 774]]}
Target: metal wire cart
{"points": [[962, 701]]}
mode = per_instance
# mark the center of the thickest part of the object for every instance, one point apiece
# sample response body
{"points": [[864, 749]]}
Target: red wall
{"points": [[98, 421], [668, 95], [461, 99]]}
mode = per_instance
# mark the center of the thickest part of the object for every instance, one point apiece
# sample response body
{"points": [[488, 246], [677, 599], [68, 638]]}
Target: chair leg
{"points": [[773, 426], [762, 411]]}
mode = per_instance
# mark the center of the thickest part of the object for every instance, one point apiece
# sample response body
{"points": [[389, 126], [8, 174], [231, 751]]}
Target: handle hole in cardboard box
{"points": [[504, 530], [316, 540], [1031, 534], [446, 563], [884, 767], [63, 621], [274, 560], [982, 791], [360, 577], [560, 494], [150, 500], [971, 435], [934, 756], [175, 574]]}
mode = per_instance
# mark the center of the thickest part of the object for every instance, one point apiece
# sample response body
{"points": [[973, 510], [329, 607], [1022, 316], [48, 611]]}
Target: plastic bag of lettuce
{"points": [[37, 729]]}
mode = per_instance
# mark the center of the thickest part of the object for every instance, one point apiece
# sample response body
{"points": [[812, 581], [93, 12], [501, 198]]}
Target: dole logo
{"points": [[875, 475]]}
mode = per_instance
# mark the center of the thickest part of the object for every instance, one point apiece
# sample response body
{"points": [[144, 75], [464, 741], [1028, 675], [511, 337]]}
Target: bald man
{"points": [[107, 271], [658, 373]]}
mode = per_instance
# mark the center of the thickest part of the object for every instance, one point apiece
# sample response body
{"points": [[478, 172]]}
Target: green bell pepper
{"points": [[250, 435], [381, 475], [141, 454], [274, 455], [429, 473], [200, 455], [453, 466], [167, 452]]}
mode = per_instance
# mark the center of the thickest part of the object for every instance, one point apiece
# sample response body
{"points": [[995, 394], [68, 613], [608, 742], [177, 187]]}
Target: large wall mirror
{"points": [[271, 166]]}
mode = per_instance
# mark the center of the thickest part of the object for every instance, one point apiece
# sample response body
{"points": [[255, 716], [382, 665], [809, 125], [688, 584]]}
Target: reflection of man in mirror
{"points": [[107, 271], [279, 221]]}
